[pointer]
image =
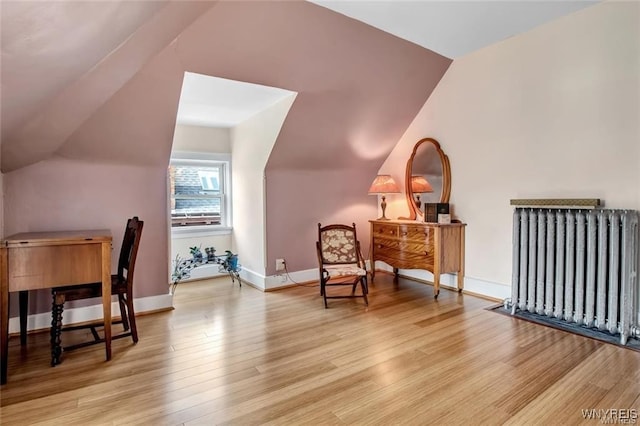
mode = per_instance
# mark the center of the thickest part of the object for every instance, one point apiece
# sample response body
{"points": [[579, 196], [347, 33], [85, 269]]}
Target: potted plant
{"points": [[196, 253]]}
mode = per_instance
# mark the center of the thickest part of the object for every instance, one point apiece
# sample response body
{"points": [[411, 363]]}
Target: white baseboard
{"points": [[92, 313], [271, 282], [205, 271], [487, 288], [291, 278], [253, 278], [472, 285]]}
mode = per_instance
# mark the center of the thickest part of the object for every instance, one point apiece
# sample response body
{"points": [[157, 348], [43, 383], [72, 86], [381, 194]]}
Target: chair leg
{"points": [[57, 307], [323, 292], [123, 312], [132, 318], [363, 284], [94, 333]]}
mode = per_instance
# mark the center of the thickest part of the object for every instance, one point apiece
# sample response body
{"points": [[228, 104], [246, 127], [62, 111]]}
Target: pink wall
{"points": [[61, 194], [312, 196], [359, 88]]}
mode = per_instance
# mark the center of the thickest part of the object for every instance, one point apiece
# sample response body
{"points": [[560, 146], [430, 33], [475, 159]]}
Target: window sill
{"points": [[199, 231]]}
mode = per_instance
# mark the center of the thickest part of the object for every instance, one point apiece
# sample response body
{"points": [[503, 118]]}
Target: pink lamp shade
{"points": [[383, 184], [420, 185]]}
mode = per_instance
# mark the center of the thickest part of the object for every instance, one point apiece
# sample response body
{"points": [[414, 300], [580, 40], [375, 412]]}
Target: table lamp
{"points": [[419, 185], [383, 184]]}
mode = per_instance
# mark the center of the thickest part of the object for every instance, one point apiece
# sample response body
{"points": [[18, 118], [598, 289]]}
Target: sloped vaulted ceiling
{"points": [[358, 87], [48, 45], [63, 61]]}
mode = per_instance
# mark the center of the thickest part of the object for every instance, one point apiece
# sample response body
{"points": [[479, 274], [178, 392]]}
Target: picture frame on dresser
{"points": [[432, 211]]}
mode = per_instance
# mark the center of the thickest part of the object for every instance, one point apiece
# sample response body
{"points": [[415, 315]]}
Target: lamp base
{"points": [[383, 206]]}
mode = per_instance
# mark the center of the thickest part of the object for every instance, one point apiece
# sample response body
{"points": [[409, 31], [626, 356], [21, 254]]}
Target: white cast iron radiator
{"points": [[579, 266]]}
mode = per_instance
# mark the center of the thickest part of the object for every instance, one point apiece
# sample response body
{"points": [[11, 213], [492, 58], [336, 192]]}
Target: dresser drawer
{"points": [[386, 254], [404, 258], [418, 233], [383, 230], [403, 232], [386, 248], [413, 239], [388, 243], [419, 248], [393, 248], [402, 253]]}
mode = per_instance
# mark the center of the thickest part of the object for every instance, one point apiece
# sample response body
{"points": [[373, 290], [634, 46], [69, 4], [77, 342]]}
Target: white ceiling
{"points": [[451, 28], [454, 28], [218, 102]]}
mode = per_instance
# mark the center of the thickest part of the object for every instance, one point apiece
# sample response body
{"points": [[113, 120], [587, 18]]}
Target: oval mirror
{"points": [[428, 176]]}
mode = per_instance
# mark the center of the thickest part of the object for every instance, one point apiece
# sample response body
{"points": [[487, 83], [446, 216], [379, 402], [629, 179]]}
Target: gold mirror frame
{"points": [[414, 211]]}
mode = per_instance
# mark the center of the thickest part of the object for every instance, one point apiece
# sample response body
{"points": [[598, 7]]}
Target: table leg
{"points": [[461, 269], [24, 310], [106, 296], [436, 279], [437, 267], [57, 307], [4, 314]]}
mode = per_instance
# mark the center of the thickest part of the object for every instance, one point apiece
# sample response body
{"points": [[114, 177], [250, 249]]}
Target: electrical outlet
{"points": [[279, 264]]}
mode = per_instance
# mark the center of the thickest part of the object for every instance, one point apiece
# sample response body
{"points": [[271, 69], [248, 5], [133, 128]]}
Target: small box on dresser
{"points": [[432, 210], [444, 218]]}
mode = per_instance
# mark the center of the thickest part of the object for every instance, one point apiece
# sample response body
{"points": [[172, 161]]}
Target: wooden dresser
{"points": [[408, 244]]}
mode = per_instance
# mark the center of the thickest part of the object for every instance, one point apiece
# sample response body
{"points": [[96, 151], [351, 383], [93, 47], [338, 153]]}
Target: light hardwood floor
{"points": [[229, 355]]}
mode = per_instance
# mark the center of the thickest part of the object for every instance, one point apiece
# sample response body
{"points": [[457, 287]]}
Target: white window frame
{"points": [[205, 160]]}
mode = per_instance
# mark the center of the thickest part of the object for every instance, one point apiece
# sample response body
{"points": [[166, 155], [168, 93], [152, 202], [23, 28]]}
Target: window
{"points": [[209, 179], [199, 193]]}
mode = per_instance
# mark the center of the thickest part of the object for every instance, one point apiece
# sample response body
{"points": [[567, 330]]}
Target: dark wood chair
{"points": [[121, 285], [340, 261]]}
